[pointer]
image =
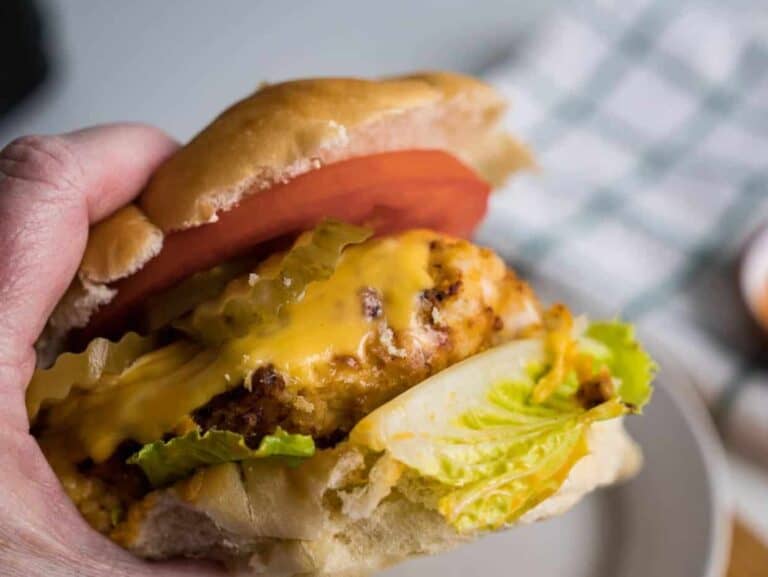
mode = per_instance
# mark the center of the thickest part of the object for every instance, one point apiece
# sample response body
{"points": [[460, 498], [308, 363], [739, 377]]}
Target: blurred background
{"points": [[176, 63], [649, 119]]}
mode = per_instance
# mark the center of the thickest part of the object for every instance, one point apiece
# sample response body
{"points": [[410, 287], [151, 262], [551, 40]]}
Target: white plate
{"points": [[670, 521]]}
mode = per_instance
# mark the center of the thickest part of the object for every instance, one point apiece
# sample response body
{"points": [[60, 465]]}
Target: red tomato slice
{"points": [[389, 192]]}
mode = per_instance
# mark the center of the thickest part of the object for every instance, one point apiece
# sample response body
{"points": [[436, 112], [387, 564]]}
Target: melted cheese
{"points": [[157, 394], [562, 349], [329, 320]]}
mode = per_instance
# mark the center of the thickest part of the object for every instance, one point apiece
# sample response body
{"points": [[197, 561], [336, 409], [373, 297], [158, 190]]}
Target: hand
{"points": [[51, 189]]}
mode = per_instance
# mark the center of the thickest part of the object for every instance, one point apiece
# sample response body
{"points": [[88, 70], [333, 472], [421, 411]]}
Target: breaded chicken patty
{"points": [[472, 301]]}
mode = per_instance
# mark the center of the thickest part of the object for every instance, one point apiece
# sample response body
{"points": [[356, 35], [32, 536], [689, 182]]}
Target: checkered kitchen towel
{"points": [[650, 124]]}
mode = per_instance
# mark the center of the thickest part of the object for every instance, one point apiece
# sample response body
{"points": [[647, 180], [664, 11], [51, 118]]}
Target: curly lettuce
{"points": [[476, 436], [166, 462], [627, 362]]}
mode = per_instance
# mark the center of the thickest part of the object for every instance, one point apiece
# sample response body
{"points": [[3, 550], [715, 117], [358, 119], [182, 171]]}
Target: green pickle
{"points": [[101, 361], [256, 301], [163, 309]]}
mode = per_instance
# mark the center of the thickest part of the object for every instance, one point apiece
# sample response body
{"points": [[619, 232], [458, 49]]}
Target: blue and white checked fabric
{"points": [[650, 125]]}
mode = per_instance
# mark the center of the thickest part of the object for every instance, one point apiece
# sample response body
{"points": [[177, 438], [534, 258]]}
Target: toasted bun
{"points": [[266, 518], [277, 133], [117, 247]]}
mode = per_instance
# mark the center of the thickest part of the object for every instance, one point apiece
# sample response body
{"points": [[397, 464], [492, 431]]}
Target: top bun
{"points": [[286, 129]]}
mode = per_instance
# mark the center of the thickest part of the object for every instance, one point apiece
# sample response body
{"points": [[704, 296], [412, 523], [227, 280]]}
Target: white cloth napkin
{"points": [[650, 124]]}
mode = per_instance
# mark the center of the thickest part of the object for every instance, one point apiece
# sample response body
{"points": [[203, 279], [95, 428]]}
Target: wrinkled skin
{"points": [[51, 189]]}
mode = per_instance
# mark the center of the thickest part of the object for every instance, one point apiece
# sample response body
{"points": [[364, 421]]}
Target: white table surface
{"points": [[175, 63]]}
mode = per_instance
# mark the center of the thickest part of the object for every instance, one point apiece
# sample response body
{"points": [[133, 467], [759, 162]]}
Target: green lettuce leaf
{"points": [[166, 462], [631, 367], [473, 435], [101, 360], [259, 299]]}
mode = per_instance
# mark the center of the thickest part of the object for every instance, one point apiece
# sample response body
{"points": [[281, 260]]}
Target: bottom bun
{"points": [[340, 513]]}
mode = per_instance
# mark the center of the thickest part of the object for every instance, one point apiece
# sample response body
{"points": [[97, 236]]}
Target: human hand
{"points": [[51, 189]]}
